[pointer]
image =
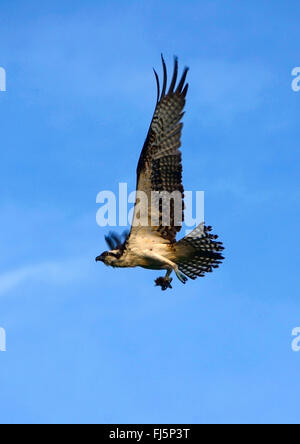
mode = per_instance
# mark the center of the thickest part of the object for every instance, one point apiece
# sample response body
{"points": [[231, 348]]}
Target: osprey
{"points": [[151, 242]]}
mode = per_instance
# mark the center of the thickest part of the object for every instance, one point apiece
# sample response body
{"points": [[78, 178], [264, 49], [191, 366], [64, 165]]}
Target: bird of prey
{"points": [[151, 242]]}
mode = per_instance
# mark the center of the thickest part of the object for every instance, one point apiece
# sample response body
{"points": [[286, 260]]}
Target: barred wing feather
{"points": [[159, 167]]}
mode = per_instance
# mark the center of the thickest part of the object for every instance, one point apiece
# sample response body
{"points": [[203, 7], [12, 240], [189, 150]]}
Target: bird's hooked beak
{"points": [[99, 258]]}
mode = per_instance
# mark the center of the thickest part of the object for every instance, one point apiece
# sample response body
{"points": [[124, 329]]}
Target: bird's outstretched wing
{"points": [[115, 241], [159, 168]]}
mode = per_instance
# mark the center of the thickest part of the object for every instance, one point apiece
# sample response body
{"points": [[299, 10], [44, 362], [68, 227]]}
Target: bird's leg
{"points": [[169, 271], [165, 282], [181, 276]]}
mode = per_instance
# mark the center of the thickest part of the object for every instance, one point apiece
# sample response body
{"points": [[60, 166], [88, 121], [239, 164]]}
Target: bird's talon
{"points": [[163, 282]]}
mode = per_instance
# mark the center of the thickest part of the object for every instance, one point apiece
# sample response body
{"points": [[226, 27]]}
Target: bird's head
{"points": [[116, 245], [109, 257]]}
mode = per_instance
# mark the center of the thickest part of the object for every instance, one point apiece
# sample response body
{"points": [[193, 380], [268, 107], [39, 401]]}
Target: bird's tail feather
{"points": [[199, 252]]}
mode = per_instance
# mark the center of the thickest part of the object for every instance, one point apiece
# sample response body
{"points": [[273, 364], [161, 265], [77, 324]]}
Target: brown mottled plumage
{"points": [[152, 243], [159, 167]]}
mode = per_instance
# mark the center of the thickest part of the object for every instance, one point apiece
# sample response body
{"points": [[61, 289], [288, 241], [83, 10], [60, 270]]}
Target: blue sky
{"points": [[89, 344]]}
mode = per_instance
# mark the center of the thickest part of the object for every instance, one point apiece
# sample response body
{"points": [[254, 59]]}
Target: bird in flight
{"points": [[159, 206]]}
